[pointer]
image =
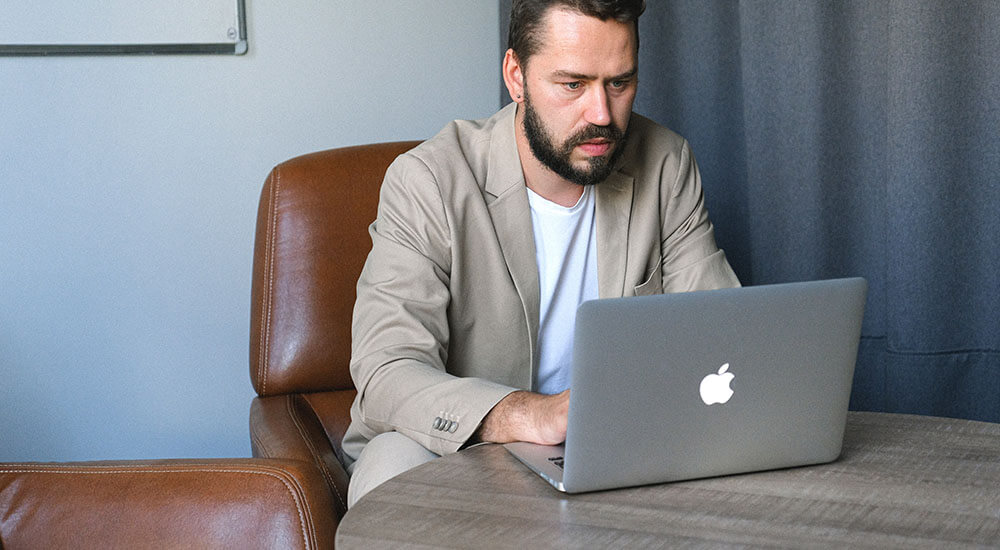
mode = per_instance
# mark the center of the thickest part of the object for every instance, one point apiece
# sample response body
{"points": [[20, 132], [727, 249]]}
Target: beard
{"points": [[556, 156]]}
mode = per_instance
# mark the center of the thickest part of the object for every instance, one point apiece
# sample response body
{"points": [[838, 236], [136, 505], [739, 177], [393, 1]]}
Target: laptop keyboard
{"points": [[557, 461]]}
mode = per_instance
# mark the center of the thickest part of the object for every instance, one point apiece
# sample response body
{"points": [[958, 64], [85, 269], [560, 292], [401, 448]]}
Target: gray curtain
{"points": [[841, 138]]}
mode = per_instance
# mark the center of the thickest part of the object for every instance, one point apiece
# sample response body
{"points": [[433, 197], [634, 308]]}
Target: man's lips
{"points": [[596, 147]]}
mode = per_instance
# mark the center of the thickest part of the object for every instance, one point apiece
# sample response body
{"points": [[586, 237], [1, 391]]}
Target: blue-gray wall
{"points": [[128, 193]]}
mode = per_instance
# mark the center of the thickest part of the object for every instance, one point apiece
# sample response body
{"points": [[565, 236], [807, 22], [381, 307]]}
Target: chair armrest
{"points": [[215, 503], [308, 428]]}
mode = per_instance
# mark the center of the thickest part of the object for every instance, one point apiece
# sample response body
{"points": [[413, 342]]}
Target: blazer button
{"points": [[437, 423], [453, 427]]}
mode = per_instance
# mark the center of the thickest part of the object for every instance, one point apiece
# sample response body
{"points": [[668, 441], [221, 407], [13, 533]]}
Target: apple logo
{"points": [[715, 387]]}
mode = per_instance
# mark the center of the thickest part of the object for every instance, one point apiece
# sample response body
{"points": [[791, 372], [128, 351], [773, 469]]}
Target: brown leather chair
{"points": [[312, 241], [218, 503]]}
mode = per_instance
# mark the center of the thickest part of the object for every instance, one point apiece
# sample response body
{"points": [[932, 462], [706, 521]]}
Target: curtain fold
{"points": [[853, 137]]}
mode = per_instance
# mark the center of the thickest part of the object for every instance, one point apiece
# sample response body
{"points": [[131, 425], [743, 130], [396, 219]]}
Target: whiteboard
{"points": [[67, 27]]}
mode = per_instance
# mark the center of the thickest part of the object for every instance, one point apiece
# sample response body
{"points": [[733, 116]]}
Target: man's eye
{"points": [[619, 84], [572, 85]]}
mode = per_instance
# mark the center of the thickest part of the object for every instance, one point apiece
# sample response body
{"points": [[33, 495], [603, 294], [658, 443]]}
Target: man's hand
{"points": [[527, 416]]}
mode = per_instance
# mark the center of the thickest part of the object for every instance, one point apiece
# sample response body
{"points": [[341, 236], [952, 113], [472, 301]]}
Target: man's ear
{"points": [[513, 76]]}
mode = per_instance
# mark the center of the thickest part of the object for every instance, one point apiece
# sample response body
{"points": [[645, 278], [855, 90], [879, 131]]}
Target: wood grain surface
{"points": [[901, 482]]}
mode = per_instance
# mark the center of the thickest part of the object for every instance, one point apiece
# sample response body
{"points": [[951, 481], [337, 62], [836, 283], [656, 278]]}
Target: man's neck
{"points": [[538, 177]]}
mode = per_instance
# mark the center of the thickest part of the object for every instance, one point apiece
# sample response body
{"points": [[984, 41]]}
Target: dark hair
{"points": [[526, 17]]}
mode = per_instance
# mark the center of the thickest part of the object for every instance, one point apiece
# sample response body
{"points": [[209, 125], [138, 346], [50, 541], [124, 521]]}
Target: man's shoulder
{"points": [[651, 138], [461, 144], [652, 152]]}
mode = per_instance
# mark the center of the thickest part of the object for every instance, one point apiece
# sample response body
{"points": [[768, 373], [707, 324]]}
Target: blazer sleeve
{"points": [[400, 330], [691, 258]]}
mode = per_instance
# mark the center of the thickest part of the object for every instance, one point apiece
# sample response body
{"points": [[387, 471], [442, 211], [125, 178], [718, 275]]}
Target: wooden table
{"points": [[902, 482]]}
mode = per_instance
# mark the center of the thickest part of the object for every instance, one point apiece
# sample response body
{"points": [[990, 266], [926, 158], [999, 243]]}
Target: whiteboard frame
{"points": [[238, 46]]}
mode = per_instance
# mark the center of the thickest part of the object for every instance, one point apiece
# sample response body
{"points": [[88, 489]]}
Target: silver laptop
{"points": [[702, 384]]}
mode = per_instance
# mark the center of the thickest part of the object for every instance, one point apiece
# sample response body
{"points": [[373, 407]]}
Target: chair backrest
{"points": [[311, 243]]}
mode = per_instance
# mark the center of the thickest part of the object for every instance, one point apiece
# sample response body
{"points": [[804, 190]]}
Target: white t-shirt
{"points": [[566, 251]]}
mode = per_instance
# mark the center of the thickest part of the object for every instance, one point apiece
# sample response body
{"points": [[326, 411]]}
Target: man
{"points": [[489, 235]]}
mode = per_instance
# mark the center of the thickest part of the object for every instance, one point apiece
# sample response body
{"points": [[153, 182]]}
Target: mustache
{"points": [[592, 131]]}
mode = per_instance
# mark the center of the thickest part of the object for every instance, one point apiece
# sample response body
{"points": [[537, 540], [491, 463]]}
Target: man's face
{"points": [[582, 83]]}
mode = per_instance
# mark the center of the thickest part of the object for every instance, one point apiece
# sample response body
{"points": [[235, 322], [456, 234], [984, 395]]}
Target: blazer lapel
{"points": [[613, 213], [511, 214]]}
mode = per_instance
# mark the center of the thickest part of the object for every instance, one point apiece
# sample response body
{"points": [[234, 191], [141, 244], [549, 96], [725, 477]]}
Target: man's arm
{"points": [[691, 258], [526, 416], [401, 330]]}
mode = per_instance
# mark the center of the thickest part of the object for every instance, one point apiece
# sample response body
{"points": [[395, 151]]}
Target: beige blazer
{"points": [[446, 319]]}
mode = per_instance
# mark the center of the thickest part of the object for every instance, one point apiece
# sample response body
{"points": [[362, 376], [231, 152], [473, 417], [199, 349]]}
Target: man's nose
{"points": [[598, 108]]}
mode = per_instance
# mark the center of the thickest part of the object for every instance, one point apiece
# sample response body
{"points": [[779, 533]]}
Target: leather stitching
{"points": [[305, 522], [269, 262], [264, 300], [297, 497], [258, 441], [312, 451]]}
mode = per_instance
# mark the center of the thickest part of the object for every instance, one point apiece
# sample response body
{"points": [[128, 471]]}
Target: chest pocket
{"points": [[653, 283]]}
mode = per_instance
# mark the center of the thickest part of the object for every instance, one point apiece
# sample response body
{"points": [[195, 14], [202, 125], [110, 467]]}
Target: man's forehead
{"points": [[572, 42]]}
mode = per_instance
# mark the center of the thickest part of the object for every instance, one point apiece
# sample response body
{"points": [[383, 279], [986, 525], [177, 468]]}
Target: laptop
{"points": [[703, 384]]}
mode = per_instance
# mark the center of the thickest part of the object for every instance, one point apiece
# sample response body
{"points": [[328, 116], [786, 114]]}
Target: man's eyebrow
{"points": [[579, 76]]}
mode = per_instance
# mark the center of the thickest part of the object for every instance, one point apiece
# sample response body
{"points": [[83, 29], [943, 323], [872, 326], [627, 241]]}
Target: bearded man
{"points": [[491, 233]]}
